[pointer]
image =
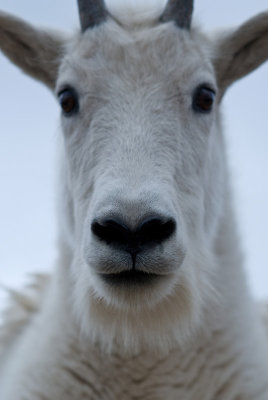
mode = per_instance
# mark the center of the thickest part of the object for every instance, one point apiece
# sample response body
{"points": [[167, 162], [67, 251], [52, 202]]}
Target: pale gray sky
{"points": [[28, 139]]}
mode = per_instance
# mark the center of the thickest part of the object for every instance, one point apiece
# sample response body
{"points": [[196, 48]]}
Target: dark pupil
{"points": [[204, 99], [67, 101]]}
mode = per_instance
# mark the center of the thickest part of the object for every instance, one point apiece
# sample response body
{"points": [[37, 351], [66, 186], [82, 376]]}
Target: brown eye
{"points": [[68, 100], [203, 99]]}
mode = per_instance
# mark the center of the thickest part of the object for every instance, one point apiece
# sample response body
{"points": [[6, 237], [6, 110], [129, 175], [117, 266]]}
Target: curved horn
{"points": [[179, 11], [92, 13]]}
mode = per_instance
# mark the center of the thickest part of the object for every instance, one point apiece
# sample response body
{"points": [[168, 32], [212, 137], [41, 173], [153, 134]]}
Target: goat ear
{"points": [[241, 51], [35, 51]]}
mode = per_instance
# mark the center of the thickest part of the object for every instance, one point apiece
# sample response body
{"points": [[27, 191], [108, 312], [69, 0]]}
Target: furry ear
{"points": [[241, 51], [35, 51]]}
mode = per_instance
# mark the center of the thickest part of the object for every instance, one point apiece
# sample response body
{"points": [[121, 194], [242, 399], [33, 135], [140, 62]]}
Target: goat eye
{"points": [[68, 100], [203, 99]]}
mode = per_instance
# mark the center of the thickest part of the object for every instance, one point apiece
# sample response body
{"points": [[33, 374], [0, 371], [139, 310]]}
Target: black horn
{"points": [[92, 13], [179, 11]]}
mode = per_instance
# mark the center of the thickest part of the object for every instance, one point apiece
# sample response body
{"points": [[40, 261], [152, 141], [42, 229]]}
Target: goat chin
{"points": [[157, 316]]}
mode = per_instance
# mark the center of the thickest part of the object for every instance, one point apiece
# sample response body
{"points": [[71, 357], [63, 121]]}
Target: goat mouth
{"points": [[132, 277]]}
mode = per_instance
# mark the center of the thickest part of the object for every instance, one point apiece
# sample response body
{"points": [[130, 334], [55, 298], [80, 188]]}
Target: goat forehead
{"points": [[156, 53]]}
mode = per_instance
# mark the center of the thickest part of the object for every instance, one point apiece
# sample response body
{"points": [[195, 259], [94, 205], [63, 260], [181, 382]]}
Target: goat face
{"points": [[144, 182], [144, 168]]}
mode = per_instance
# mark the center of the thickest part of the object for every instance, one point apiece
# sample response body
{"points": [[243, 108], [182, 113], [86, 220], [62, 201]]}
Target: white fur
{"points": [[136, 11], [138, 148]]}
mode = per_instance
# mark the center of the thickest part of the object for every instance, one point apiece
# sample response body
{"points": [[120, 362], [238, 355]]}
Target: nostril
{"points": [[156, 230], [152, 231], [111, 231]]}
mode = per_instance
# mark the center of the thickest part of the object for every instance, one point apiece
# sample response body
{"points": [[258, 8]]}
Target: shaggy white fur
{"points": [[149, 298]]}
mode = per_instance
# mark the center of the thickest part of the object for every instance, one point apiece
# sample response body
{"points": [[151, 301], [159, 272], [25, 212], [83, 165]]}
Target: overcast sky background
{"points": [[29, 117]]}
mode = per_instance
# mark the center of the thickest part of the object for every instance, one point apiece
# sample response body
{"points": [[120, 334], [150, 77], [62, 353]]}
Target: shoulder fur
{"points": [[22, 306]]}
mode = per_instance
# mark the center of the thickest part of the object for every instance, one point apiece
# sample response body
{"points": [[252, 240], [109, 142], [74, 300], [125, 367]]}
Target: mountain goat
{"points": [[148, 300]]}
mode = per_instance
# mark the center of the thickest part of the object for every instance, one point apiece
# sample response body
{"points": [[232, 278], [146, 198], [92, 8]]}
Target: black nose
{"points": [[149, 233]]}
